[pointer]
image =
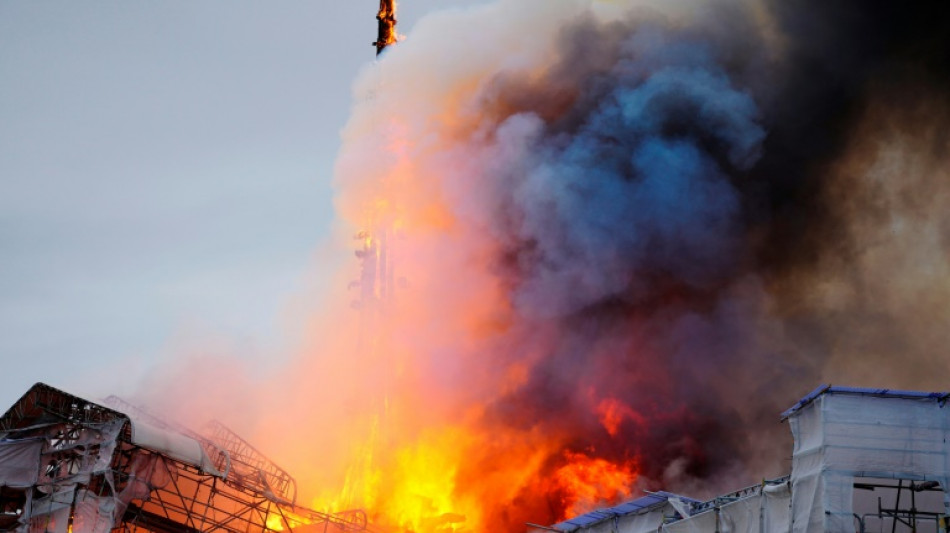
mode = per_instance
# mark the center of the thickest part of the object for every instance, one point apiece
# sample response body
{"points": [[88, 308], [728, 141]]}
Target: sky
{"points": [[165, 178]]}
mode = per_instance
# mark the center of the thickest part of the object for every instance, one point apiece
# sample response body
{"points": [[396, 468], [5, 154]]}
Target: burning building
{"points": [[617, 225], [71, 465], [852, 446], [620, 221]]}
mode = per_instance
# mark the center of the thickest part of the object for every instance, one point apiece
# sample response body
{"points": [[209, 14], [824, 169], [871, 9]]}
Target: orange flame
{"points": [[387, 24], [589, 482], [413, 487], [613, 412], [274, 522]]}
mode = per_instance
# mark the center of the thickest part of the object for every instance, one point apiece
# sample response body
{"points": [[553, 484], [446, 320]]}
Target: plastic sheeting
{"points": [[763, 511], [644, 522], [50, 514], [93, 514], [174, 445], [20, 462], [846, 433], [776, 506], [704, 522]]}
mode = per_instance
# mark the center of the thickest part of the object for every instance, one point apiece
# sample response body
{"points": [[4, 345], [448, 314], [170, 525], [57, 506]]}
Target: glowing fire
{"points": [[387, 19], [425, 479], [588, 482], [274, 522], [429, 486], [612, 412], [412, 488]]}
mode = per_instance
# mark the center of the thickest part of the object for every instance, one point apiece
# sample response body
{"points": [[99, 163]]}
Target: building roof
{"points": [[858, 391], [650, 501], [46, 405]]}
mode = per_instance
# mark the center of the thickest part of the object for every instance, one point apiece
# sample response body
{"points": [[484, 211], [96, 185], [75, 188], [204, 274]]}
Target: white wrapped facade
{"points": [[842, 435], [864, 460]]}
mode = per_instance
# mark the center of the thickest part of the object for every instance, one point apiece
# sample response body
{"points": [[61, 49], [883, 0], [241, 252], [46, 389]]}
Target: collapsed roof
{"points": [[71, 465]]}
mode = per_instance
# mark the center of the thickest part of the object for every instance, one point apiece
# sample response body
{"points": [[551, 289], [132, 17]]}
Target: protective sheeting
{"points": [[50, 514], [776, 506], [75, 456], [61, 463], [761, 509], [843, 433], [646, 522], [20, 462], [705, 522], [93, 514], [172, 444]]}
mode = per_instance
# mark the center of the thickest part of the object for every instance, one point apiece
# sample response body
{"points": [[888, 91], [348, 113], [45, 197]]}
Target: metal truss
{"points": [[92, 476]]}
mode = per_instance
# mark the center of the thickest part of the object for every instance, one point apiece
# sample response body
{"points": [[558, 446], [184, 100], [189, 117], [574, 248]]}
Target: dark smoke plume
{"points": [[664, 198]]}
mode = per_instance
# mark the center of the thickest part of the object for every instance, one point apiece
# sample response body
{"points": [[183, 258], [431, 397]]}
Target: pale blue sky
{"points": [[165, 175]]}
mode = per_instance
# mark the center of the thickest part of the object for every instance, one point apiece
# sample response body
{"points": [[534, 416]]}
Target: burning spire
{"points": [[387, 25]]}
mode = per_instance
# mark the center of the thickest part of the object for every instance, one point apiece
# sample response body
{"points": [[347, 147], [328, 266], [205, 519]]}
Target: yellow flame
{"points": [[414, 490], [423, 498], [275, 523]]}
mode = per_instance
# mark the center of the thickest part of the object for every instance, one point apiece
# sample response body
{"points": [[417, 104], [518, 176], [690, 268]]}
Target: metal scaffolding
{"points": [[68, 465]]}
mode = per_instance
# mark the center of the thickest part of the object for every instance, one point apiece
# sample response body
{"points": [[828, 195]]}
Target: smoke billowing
{"points": [[626, 239]]}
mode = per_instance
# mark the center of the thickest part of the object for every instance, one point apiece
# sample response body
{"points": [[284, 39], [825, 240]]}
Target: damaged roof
{"points": [[650, 501]]}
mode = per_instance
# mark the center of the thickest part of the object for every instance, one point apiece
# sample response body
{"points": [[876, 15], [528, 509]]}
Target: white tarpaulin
{"points": [[172, 444], [842, 433]]}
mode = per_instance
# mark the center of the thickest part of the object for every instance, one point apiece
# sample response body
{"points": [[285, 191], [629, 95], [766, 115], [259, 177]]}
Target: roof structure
{"points": [[651, 501], [940, 397], [69, 465]]}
